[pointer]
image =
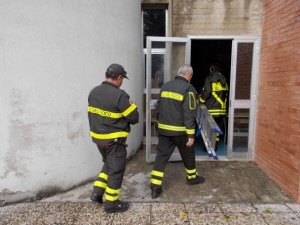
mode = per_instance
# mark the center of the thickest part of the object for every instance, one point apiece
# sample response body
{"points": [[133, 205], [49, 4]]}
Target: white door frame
{"points": [[249, 104], [150, 157]]}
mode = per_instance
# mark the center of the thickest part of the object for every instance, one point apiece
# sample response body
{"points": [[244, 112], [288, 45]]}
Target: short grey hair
{"points": [[185, 69]]}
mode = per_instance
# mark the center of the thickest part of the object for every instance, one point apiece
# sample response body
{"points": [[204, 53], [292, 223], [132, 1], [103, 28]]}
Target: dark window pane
{"points": [[154, 25], [243, 71], [157, 70]]}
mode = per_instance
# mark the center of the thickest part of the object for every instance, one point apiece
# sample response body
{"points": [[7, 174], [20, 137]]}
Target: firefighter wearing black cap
{"points": [[176, 113], [110, 113], [214, 95]]}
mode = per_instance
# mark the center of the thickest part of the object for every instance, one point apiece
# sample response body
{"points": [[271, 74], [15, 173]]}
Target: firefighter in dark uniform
{"points": [[214, 95], [176, 113], [110, 113]]}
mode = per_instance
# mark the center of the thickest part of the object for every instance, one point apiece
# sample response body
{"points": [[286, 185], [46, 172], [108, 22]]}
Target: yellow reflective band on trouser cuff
{"points": [[190, 171], [104, 113], [157, 182], [100, 184], [157, 173], [172, 95], [169, 127], [109, 136], [190, 131], [111, 198], [112, 191], [129, 110], [192, 176], [103, 175]]}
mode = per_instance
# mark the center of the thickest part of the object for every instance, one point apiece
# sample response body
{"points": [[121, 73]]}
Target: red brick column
{"points": [[278, 119]]}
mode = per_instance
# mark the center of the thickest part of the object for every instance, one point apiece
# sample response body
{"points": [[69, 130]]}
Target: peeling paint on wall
{"points": [[75, 127]]}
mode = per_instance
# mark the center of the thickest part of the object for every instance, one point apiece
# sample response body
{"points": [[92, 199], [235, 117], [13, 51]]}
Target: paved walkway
{"points": [[235, 192], [151, 213]]}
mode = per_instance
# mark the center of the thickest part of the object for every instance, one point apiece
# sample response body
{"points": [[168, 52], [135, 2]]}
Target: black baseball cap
{"points": [[115, 70]]}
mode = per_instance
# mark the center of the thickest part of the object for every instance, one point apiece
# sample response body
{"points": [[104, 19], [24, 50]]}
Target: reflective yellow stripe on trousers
{"points": [[112, 194], [155, 175]]}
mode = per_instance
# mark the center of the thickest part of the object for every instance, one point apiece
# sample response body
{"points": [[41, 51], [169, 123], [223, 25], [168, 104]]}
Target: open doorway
{"points": [[203, 54], [238, 57]]}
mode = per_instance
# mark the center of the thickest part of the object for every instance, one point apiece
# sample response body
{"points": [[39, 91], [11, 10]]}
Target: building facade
{"points": [[54, 52]]}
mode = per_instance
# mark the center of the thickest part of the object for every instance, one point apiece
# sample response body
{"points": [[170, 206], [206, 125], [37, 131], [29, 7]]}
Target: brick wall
{"points": [[278, 119]]}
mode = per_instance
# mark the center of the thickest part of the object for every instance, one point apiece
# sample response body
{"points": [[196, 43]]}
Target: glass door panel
{"points": [[161, 66], [240, 130], [243, 71], [242, 96]]}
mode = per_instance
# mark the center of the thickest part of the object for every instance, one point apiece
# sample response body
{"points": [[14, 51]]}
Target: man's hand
{"points": [[190, 142]]}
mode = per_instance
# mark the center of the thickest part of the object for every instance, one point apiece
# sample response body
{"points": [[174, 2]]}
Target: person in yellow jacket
{"points": [[176, 114], [214, 95], [111, 113]]}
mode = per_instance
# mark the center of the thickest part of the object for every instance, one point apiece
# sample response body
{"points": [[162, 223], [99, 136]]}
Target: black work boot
{"points": [[155, 192], [197, 180], [96, 198], [116, 206]]}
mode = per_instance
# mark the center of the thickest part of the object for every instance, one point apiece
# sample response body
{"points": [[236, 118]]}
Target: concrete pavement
{"points": [[234, 193]]}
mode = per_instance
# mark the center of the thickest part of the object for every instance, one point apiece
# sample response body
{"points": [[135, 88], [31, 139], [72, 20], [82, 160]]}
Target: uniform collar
{"points": [[181, 78], [109, 83]]}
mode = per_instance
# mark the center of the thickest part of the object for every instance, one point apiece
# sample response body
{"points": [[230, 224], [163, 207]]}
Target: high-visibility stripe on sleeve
{"points": [[129, 110], [190, 131]]}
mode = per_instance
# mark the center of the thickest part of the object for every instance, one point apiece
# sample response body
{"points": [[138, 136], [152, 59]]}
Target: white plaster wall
{"points": [[52, 53]]}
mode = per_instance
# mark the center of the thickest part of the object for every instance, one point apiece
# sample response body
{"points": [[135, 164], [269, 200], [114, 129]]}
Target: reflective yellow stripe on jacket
{"points": [[216, 112], [129, 110], [172, 95], [192, 101], [112, 114], [110, 135], [218, 87], [104, 112], [176, 128]]}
